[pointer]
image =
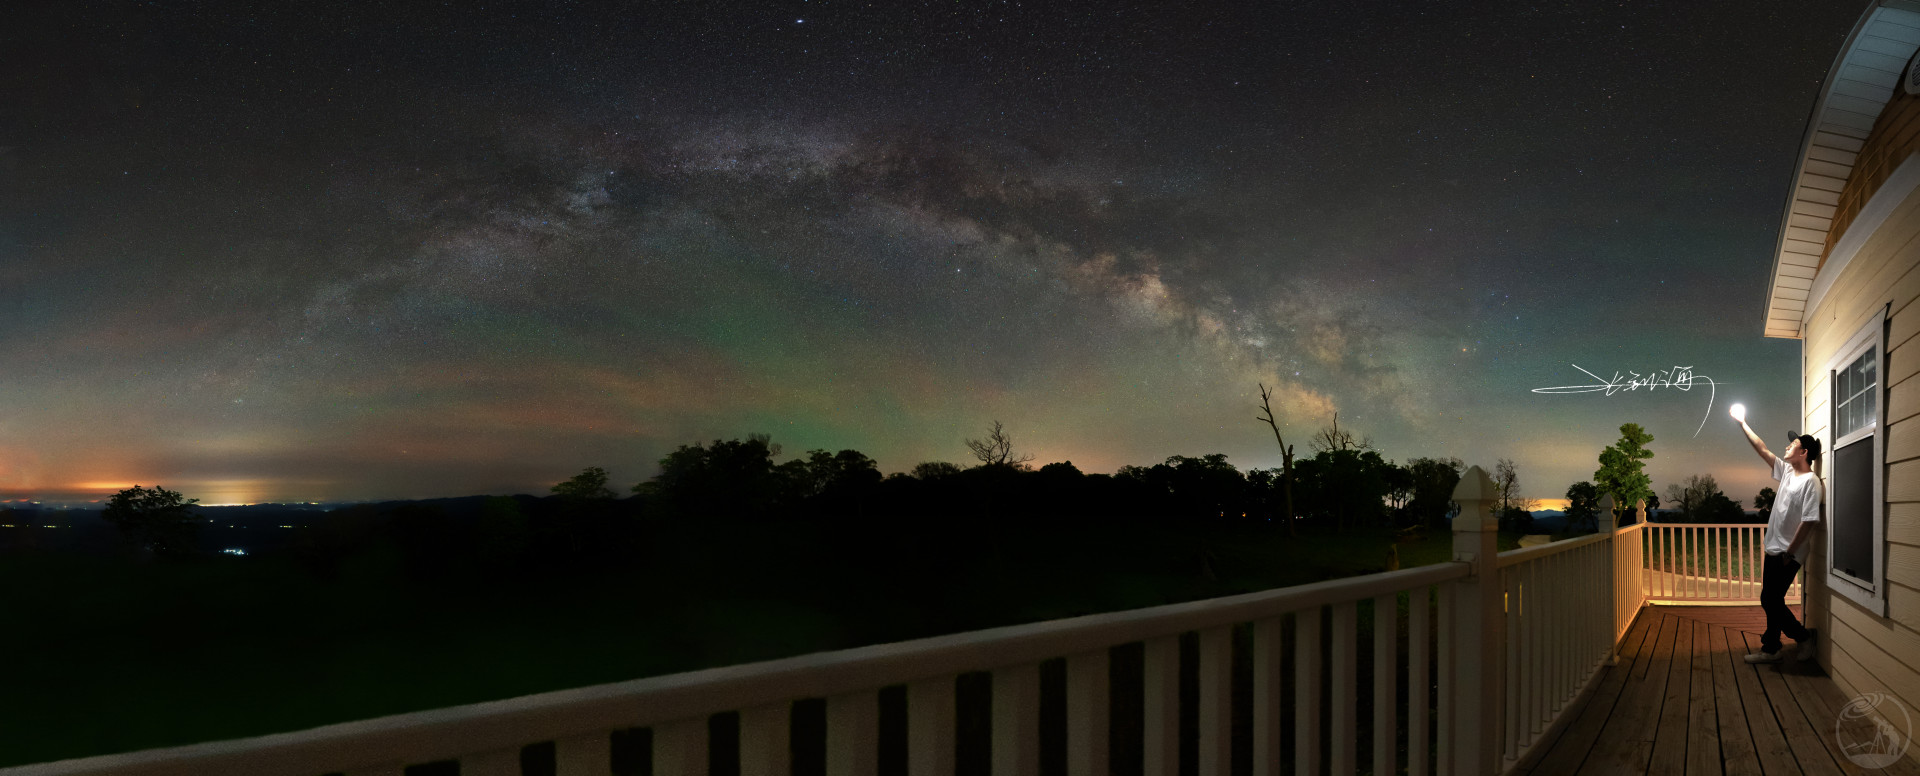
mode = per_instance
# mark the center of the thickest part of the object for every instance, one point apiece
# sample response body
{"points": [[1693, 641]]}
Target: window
{"points": [[1856, 526]]}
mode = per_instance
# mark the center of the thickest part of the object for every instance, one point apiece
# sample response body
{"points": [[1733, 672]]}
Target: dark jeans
{"points": [[1777, 576]]}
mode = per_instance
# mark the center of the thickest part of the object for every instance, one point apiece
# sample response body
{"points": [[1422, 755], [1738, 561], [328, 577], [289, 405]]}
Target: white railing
{"points": [[1707, 563], [487, 738], [1514, 637], [1554, 644]]}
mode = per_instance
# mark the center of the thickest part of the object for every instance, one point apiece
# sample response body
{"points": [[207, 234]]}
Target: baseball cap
{"points": [[1807, 443]]}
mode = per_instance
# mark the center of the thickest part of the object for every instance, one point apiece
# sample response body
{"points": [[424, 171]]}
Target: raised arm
{"points": [[1758, 446]]}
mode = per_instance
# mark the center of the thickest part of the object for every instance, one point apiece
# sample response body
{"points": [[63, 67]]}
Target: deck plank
{"points": [[1683, 700], [1565, 753], [1736, 742], [1703, 722], [1804, 682], [1808, 753], [1636, 715], [1769, 741], [1670, 738], [1826, 696]]}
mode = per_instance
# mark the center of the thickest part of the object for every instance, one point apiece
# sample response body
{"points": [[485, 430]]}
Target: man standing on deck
{"points": [[1796, 515]]}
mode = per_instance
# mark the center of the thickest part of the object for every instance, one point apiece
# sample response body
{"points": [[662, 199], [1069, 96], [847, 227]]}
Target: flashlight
{"points": [[1739, 412]]}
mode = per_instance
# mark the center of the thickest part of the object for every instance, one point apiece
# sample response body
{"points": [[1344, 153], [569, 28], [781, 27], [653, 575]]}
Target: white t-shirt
{"points": [[1797, 500]]}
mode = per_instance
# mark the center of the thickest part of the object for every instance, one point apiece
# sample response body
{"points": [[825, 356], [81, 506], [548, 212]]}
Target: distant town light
{"points": [[234, 551]]}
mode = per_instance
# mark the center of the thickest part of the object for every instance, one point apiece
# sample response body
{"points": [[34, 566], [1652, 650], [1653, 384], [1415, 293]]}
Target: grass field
{"points": [[105, 656]]}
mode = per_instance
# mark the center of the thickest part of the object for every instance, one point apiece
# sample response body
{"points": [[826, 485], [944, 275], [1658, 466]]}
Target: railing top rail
{"points": [[443, 733], [1524, 554], [1707, 525]]}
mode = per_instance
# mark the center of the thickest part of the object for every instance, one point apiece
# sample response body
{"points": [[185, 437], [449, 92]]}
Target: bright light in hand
{"points": [[1739, 412]]}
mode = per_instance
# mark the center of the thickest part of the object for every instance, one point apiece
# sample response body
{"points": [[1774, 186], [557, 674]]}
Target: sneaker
{"points": [[1806, 649], [1764, 657]]}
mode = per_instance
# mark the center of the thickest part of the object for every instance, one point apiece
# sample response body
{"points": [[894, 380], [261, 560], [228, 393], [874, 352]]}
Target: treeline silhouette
{"points": [[726, 489]]}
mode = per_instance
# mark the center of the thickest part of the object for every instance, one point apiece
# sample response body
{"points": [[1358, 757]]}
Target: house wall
{"points": [[1863, 651]]}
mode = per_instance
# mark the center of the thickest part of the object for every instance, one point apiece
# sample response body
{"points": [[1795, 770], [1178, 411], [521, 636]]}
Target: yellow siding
{"points": [[1903, 401], [1903, 606], [1905, 325], [1866, 665], [1903, 481], [1903, 442], [1903, 566], [1903, 524], [1867, 652], [1903, 361]]}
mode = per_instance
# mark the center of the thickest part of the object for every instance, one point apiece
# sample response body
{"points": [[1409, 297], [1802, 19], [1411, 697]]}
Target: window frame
{"points": [[1868, 593]]}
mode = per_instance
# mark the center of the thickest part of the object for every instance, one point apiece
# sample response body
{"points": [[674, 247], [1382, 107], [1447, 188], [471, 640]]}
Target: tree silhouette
{"points": [[1764, 502], [1433, 482], [154, 518], [1583, 506], [724, 479], [1286, 454], [1349, 487], [997, 449], [590, 484]]}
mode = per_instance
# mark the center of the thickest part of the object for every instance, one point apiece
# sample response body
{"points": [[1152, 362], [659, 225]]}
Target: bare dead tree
{"points": [[1506, 478], [996, 449], [1332, 438], [1286, 455]]}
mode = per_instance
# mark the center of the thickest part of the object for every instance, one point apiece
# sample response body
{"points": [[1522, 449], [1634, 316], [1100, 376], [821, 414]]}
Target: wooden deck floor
{"points": [[1684, 701]]}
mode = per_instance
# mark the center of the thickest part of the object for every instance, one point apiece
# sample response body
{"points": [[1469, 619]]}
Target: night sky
{"points": [[324, 251]]}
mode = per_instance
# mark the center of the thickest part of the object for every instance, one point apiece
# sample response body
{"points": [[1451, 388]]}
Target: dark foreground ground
{"points": [[106, 653]]}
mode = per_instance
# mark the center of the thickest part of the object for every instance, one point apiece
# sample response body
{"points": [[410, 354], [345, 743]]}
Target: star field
{"points": [[332, 252]]}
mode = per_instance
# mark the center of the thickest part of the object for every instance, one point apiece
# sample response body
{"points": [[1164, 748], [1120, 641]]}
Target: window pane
{"points": [[1855, 395], [1853, 510]]}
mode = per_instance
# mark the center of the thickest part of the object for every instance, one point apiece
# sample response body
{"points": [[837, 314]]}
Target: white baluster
{"points": [[1266, 697], [499, 762], [1216, 697], [1161, 704], [1088, 691], [1307, 755], [1341, 675], [679, 749], [1419, 693], [1016, 720], [1386, 647], [853, 734], [930, 718], [765, 740]]}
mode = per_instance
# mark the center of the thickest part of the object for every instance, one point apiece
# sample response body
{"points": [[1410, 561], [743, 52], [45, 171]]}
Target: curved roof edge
{"points": [[1857, 88]]}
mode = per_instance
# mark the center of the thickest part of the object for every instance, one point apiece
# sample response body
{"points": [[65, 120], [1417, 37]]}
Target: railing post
{"points": [[1478, 631]]}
